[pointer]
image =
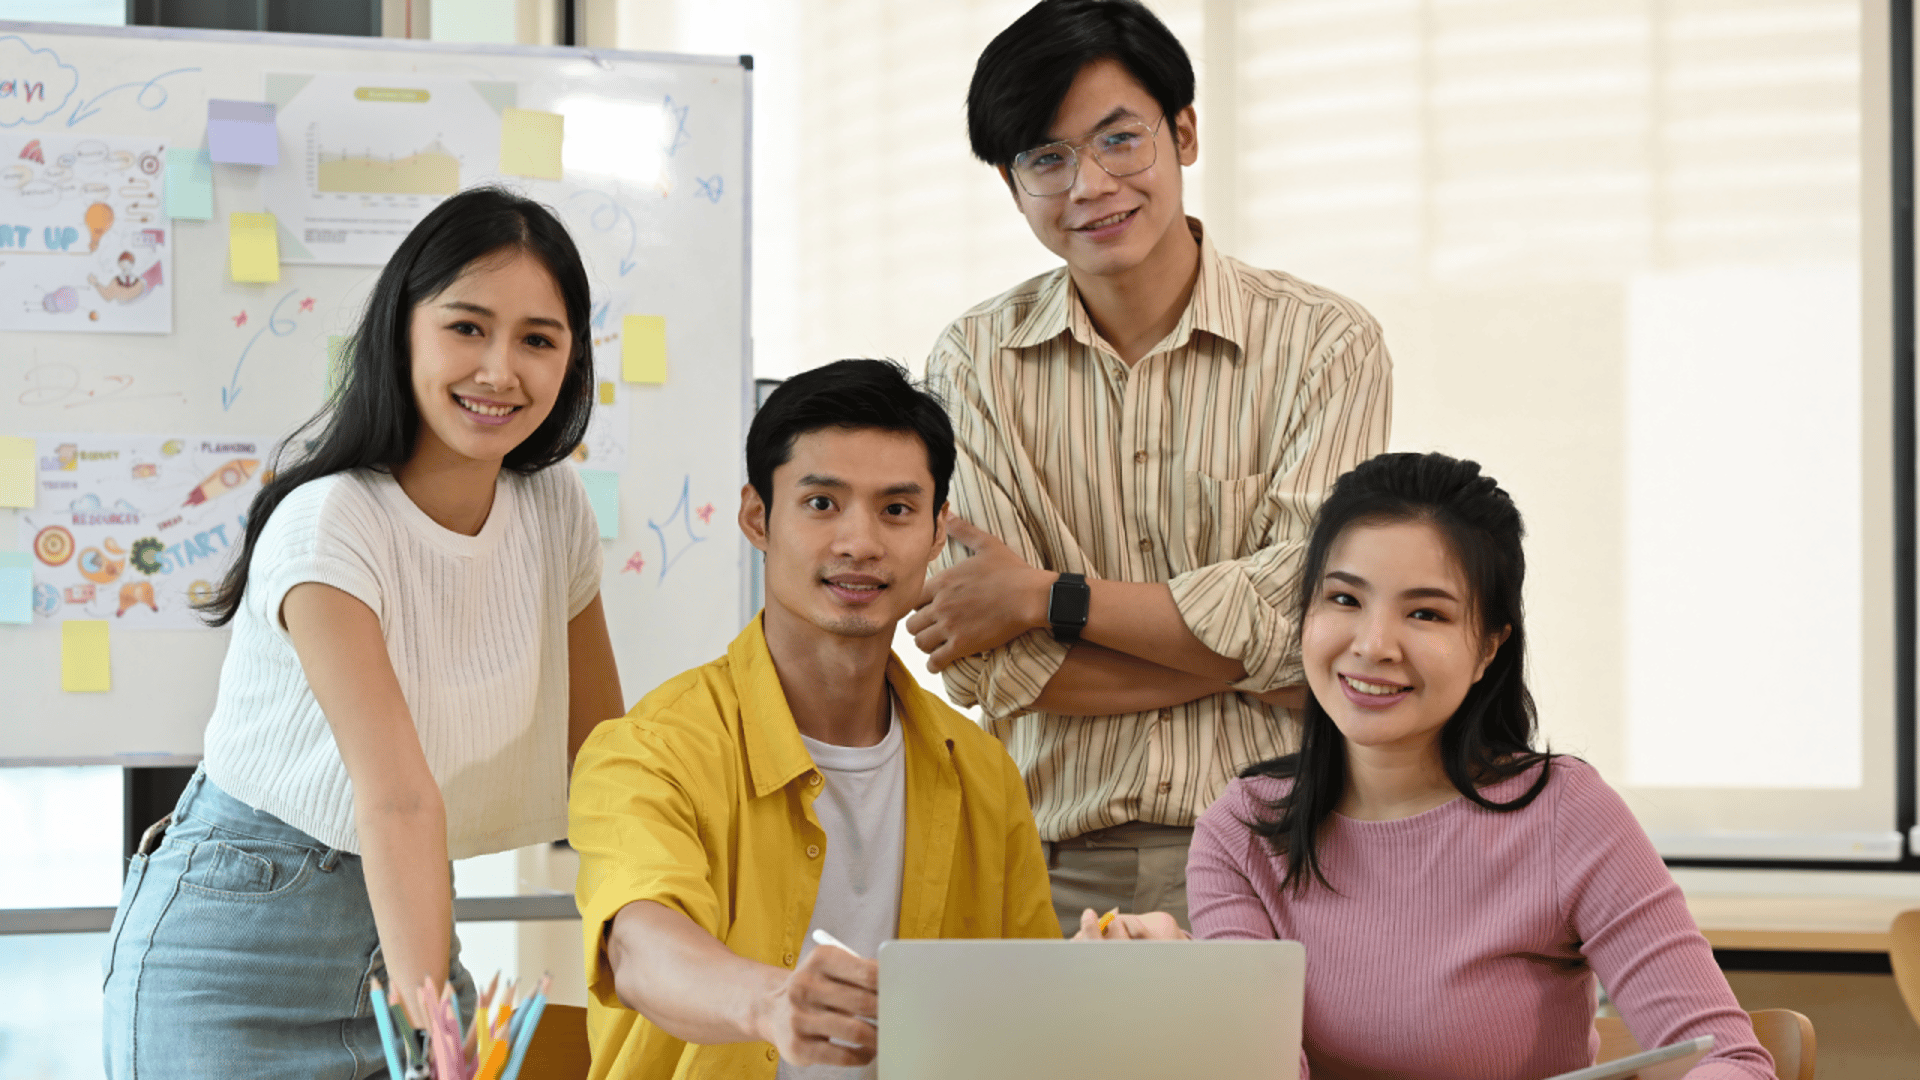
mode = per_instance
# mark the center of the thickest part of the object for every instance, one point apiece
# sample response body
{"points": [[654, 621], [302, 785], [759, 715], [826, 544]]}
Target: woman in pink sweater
{"points": [[1457, 891]]}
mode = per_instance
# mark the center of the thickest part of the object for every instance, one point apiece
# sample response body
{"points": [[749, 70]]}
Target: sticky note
{"points": [[189, 184], [530, 143], [643, 348], [606, 393], [16, 587], [242, 133], [84, 664], [253, 247], [603, 491], [16, 471]]}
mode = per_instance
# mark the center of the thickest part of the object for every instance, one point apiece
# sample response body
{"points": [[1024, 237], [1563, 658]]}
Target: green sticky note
{"points": [[84, 664], [336, 362], [603, 491], [253, 248], [643, 349], [16, 587], [189, 184], [530, 143], [16, 471]]}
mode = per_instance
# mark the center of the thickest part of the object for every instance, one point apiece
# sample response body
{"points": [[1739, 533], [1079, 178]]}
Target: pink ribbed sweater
{"points": [[1465, 943]]}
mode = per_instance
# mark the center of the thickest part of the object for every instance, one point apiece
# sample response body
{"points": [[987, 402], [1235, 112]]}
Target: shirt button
{"points": [[813, 851], [814, 779], [1146, 544], [1139, 457], [1166, 786], [772, 1054], [787, 959]]}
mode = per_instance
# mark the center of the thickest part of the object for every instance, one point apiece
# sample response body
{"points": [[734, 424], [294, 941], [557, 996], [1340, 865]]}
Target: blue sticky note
{"points": [[189, 184], [242, 133], [603, 491], [16, 587]]}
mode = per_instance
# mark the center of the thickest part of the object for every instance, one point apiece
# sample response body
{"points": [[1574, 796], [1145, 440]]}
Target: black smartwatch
{"points": [[1067, 606]]}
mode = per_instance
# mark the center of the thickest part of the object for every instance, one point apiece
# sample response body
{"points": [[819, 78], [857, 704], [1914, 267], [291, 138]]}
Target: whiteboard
{"points": [[658, 207]]}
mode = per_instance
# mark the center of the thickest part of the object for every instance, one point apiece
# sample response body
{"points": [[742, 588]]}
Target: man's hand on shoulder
{"points": [[979, 603], [825, 998]]}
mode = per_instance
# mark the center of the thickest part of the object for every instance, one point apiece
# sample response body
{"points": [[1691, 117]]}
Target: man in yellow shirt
{"points": [[804, 781]]}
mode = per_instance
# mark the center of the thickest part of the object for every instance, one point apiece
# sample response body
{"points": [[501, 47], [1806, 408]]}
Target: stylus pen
{"points": [[821, 937]]}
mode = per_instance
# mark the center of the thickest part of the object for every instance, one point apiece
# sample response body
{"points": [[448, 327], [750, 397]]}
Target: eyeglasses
{"points": [[1122, 150]]}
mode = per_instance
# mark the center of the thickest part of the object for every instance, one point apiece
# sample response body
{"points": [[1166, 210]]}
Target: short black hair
{"points": [[1024, 74], [850, 394]]}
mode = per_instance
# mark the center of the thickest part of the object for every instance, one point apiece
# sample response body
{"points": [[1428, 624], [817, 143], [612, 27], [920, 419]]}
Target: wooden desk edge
{"points": [[1798, 940]]}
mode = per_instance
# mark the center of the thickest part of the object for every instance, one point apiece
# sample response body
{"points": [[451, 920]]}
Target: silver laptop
{"points": [[1042, 1010]]}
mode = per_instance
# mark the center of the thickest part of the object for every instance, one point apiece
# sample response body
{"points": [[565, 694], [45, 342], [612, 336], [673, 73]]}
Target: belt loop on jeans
{"points": [[330, 860]]}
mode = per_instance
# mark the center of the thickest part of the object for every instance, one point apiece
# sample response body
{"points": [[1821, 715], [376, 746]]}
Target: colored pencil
{"points": [[525, 1036], [389, 1041], [496, 1061]]}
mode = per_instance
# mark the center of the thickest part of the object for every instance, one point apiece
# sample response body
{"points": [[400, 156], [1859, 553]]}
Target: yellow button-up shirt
{"points": [[701, 799]]}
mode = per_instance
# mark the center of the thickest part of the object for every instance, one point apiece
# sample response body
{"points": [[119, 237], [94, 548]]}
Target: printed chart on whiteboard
{"points": [[136, 528], [374, 154], [83, 242]]}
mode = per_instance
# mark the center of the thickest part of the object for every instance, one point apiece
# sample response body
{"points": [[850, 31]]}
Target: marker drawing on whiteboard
{"points": [[682, 511], [34, 83], [151, 96], [677, 124], [607, 218], [711, 187], [280, 327]]}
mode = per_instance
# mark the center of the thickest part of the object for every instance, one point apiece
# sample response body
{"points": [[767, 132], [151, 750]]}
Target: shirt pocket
{"points": [[1225, 519]]}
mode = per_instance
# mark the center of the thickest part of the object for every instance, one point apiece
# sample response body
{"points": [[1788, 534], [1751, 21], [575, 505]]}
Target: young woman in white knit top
{"points": [[418, 648]]}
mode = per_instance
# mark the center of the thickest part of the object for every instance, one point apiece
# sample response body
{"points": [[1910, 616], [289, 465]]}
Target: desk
{"points": [[1798, 933]]}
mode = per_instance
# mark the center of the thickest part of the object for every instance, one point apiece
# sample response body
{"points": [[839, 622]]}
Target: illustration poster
{"points": [[84, 245], [365, 157], [136, 528]]}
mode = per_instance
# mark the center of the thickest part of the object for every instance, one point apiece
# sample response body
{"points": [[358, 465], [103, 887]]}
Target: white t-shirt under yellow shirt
{"points": [[476, 629]]}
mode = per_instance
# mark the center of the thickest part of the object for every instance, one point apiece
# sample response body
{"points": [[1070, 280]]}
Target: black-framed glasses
{"points": [[1122, 150]]}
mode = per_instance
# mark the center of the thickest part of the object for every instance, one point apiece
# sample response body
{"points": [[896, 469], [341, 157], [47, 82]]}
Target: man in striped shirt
{"points": [[1154, 418]]}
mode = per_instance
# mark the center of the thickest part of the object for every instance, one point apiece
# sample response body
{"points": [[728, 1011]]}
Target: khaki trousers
{"points": [[1137, 867]]}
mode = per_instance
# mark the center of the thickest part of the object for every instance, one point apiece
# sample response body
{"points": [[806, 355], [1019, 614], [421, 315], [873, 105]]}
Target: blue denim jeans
{"points": [[243, 948]]}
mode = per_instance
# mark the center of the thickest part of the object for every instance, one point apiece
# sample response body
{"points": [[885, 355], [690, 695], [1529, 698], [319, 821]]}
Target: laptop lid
{"points": [[1041, 1010], [1682, 1054]]}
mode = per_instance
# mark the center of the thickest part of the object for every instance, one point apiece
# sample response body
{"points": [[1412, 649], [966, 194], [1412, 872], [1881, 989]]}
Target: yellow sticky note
{"points": [[606, 393], [253, 247], [643, 348], [84, 664], [530, 143], [16, 471]]}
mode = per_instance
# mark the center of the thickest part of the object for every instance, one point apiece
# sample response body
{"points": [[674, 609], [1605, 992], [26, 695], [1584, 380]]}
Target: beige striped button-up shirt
{"points": [[1200, 466]]}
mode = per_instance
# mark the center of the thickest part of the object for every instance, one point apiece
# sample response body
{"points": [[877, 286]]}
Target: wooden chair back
{"points": [[1904, 951], [1786, 1034], [559, 1050]]}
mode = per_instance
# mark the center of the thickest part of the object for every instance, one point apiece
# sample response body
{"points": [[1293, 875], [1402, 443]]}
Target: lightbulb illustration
{"points": [[99, 220]]}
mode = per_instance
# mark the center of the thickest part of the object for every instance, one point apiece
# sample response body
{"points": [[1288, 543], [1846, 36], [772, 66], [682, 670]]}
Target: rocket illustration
{"points": [[224, 479]]}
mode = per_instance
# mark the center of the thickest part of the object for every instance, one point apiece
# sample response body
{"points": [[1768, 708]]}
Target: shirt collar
{"points": [[775, 755], [1215, 307]]}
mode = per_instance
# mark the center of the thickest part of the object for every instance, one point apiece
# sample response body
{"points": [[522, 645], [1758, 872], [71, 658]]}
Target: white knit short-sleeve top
{"points": [[476, 628]]}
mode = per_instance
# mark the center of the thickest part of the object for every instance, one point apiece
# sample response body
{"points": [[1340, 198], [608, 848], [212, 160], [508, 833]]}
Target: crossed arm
{"points": [[983, 602]]}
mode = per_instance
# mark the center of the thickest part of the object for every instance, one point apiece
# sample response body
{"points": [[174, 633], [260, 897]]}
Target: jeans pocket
{"points": [[129, 891], [243, 868]]}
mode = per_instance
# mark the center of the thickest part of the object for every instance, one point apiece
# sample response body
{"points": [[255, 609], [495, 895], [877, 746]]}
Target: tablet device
{"points": [[1620, 1068], [1041, 1010]]}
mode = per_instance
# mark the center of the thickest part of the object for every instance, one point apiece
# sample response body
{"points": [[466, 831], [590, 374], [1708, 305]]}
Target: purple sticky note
{"points": [[242, 133]]}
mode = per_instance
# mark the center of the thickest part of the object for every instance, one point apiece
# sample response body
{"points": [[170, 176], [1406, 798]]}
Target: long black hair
{"points": [[372, 420], [1489, 738]]}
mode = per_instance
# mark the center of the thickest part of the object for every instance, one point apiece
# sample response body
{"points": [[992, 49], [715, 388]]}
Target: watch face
{"points": [[1069, 603]]}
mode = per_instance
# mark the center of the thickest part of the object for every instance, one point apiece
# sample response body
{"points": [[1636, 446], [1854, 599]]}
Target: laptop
{"points": [[1042, 1010], [1681, 1055]]}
